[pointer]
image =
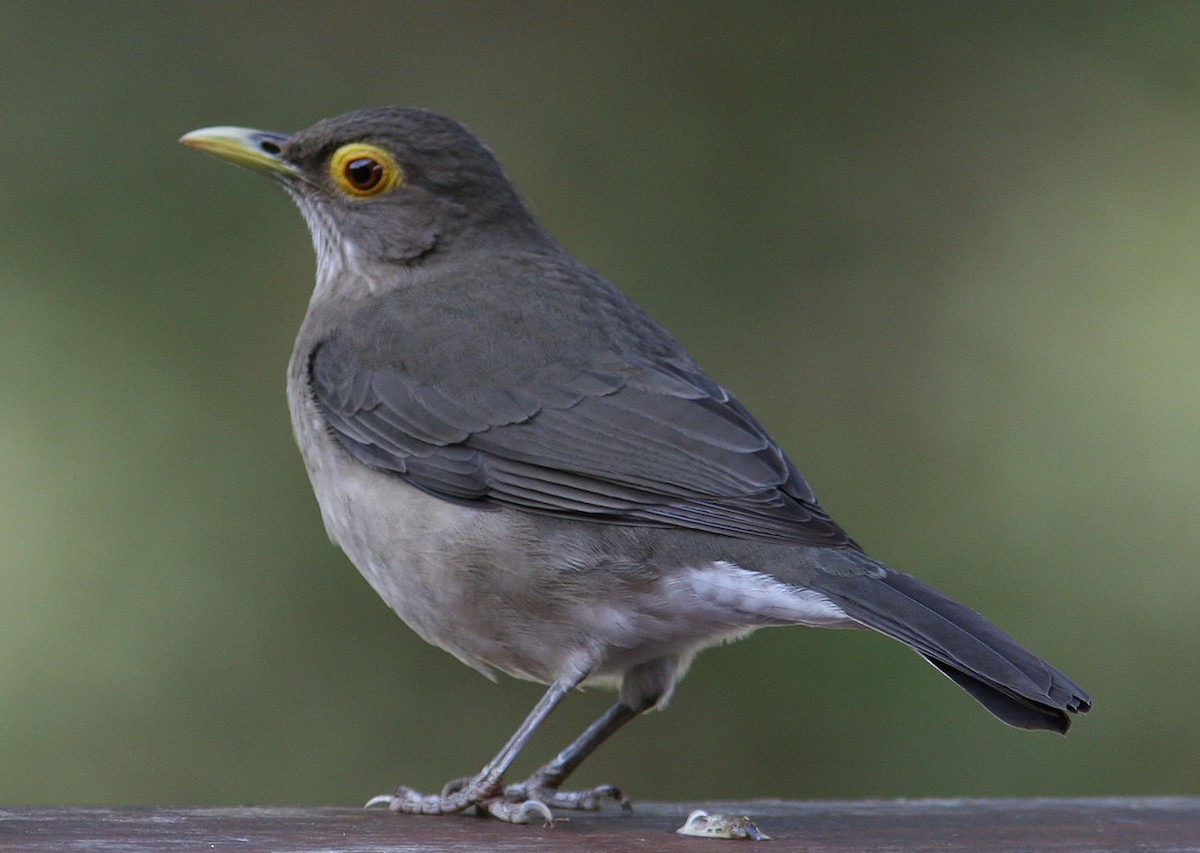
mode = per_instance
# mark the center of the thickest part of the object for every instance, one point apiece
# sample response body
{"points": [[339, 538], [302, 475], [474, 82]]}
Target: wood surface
{"points": [[1095, 825]]}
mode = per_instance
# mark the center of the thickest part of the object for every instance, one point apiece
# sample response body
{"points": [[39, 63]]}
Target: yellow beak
{"points": [[255, 149]]}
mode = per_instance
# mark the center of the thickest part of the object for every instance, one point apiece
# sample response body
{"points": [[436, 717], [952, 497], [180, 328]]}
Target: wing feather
{"points": [[611, 439]]}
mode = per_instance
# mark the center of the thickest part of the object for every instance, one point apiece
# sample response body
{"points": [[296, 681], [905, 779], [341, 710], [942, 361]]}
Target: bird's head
{"points": [[386, 186]]}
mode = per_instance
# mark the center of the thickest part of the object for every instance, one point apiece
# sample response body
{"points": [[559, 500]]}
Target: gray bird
{"points": [[533, 473]]}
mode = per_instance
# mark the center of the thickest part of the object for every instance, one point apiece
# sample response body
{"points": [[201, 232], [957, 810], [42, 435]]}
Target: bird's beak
{"points": [[255, 149]]}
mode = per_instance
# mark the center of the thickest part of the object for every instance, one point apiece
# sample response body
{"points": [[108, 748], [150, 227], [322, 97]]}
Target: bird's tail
{"points": [[1013, 683]]}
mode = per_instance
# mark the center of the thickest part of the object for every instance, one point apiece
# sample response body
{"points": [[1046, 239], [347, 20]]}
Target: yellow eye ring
{"points": [[361, 171]]}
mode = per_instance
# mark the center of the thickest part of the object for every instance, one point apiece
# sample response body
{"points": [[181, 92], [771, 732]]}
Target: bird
{"points": [[536, 476]]}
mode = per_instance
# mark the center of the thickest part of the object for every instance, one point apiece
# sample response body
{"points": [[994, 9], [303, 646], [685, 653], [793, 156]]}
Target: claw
{"points": [[520, 812], [608, 792], [381, 800]]}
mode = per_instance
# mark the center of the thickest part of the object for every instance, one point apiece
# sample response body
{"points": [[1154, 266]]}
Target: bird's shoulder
{"points": [[506, 312]]}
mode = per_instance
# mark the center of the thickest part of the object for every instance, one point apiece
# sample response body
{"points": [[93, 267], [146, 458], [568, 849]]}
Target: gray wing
{"points": [[620, 426]]}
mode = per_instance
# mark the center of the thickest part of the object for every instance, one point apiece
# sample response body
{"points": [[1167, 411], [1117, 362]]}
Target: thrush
{"points": [[533, 473]]}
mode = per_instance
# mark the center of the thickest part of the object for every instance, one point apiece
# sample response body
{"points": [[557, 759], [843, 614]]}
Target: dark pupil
{"points": [[364, 173]]}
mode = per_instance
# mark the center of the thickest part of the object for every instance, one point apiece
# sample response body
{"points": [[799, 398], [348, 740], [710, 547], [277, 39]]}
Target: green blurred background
{"points": [[947, 252]]}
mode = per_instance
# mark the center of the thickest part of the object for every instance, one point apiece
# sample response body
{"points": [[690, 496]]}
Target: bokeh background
{"points": [[948, 252]]}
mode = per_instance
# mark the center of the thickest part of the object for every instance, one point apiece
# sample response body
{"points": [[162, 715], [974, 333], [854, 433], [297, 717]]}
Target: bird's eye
{"points": [[361, 170]]}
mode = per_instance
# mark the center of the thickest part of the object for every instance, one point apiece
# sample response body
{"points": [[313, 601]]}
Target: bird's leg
{"points": [[642, 688], [543, 786], [485, 789]]}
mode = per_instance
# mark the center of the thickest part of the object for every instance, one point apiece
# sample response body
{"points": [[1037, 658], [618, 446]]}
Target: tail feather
{"points": [[1011, 682]]}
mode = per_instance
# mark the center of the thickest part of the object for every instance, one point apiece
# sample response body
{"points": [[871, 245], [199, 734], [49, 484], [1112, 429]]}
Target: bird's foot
{"points": [[462, 794], [536, 788], [518, 803]]}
